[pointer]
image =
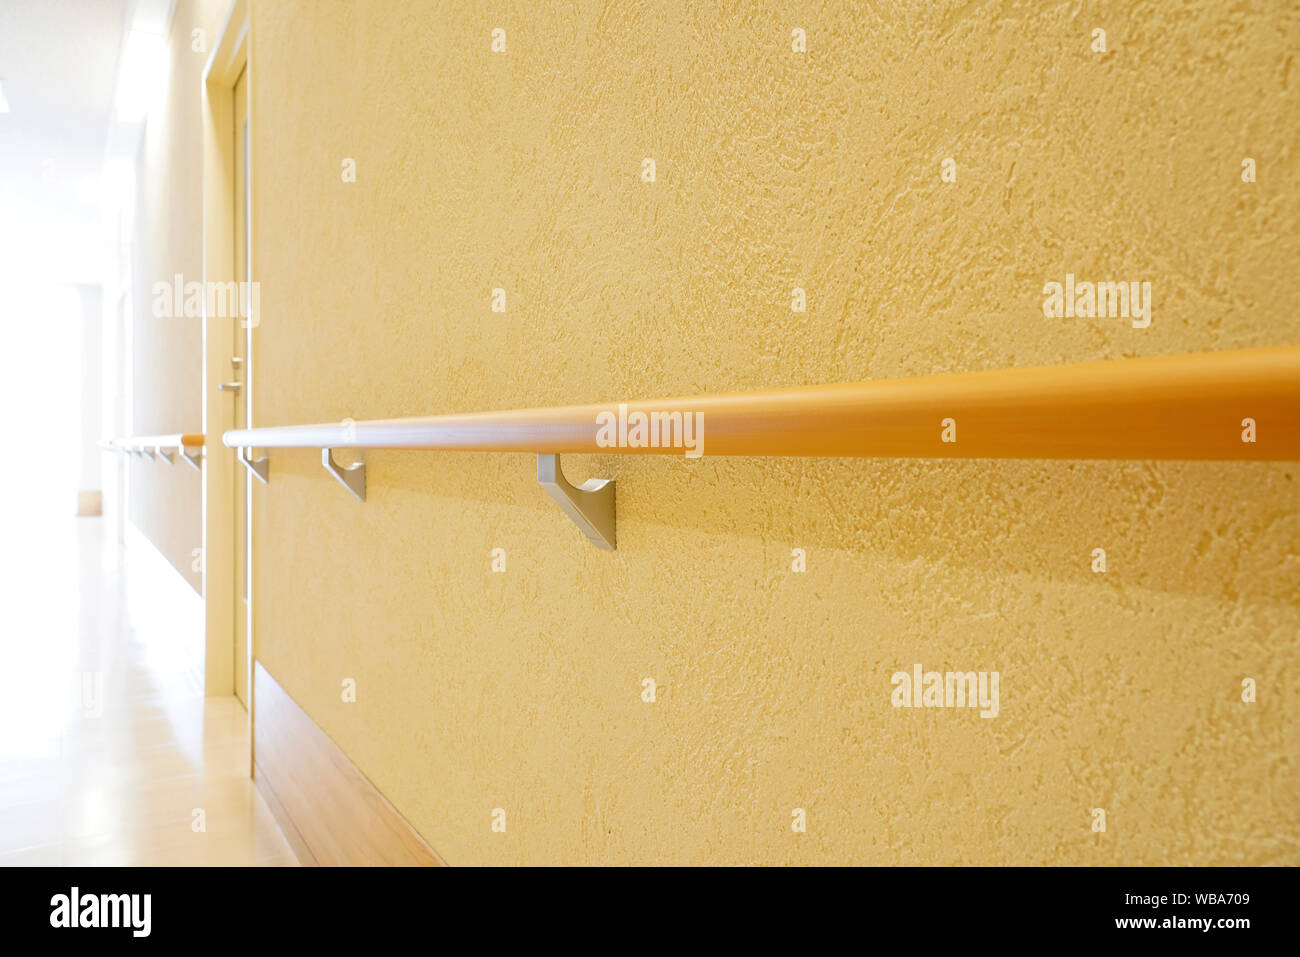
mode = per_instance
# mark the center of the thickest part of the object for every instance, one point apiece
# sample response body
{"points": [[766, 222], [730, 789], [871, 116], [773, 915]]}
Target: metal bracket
{"points": [[167, 455], [259, 467], [351, 477], [195, 461], [590, 505]]}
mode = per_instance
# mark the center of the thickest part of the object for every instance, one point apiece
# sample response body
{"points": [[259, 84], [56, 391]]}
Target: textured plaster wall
{"points": [[521, 690], [167, 375]]}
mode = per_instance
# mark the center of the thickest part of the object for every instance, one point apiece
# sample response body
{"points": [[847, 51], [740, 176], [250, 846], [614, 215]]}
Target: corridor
{"points": [[633, 433], [109, 752]]}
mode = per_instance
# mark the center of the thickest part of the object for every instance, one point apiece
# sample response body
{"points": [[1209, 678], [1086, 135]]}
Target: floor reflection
{"points": [[110, 754]]}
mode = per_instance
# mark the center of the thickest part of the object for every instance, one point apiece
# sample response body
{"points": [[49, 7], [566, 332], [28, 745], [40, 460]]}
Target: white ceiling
{"points": [[58, 61]]}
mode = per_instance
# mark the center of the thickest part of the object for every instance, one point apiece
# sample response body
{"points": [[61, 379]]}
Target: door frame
{"points": [[230, 57]]}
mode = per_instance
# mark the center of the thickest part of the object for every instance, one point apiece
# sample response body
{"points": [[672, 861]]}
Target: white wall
{"points": [[92, 393]]}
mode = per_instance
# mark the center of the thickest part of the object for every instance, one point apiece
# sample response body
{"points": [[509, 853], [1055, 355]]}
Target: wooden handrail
{"points": [[1242, 404], [143, 443], [166, 447]]}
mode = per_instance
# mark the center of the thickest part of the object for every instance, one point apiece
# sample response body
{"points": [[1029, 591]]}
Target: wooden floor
{"points": [[108, 748]]}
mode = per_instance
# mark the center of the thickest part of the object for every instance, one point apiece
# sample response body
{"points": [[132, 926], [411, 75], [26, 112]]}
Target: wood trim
{"points": [[229, 58], [301, 849], [230, 55], [329, 811]]}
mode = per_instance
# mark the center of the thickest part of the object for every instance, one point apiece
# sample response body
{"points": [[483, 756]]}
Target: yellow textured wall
{"points": [[167, 373], [521, 170]]}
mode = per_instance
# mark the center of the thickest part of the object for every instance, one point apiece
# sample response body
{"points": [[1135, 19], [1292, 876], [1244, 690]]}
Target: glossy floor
{"points": [[110, 754]]}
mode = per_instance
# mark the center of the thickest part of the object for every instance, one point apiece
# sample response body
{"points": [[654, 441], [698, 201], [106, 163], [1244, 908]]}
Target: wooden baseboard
{"points": [[329, 811]]}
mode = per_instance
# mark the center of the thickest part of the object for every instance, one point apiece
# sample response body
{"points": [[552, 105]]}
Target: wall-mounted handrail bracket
{"points": [[590, 505], [194, 461], [259, 467], [351, 477]]}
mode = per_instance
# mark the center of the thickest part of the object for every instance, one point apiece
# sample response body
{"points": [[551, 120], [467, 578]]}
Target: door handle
{"points": [[229, 386]]}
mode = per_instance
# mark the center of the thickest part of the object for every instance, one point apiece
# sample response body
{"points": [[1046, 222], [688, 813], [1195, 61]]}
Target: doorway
{"points": [[228, 380], [241, 332]]}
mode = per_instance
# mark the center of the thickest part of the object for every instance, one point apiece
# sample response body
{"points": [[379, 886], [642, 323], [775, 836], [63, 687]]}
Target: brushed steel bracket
{"points": [[589, 505], [351, 477], [259, 467], [194, 461]]}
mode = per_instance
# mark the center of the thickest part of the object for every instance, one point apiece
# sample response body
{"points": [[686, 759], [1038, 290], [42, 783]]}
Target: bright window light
{"points": [[140, 75], [4, 104]]}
